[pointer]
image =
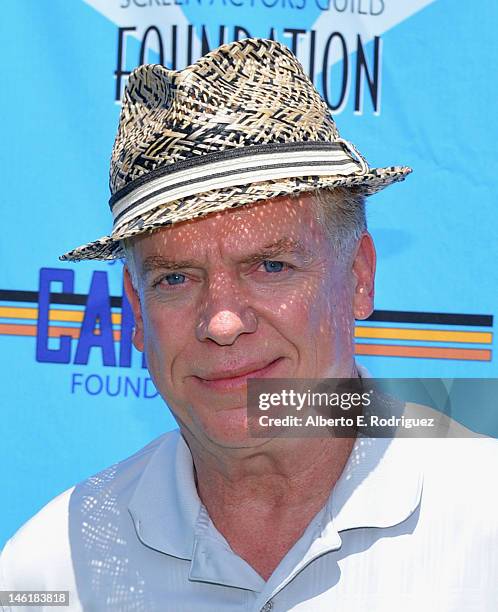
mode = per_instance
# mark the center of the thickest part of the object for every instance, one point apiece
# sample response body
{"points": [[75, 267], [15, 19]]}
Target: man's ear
{"points": [[132, 295], [364, 275]]}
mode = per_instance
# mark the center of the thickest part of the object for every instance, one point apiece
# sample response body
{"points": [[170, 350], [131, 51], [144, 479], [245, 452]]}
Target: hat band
{"points": [[232, 168]]}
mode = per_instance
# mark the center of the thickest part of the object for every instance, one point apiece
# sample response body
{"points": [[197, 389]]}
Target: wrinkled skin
{"points": [[255, 290]]}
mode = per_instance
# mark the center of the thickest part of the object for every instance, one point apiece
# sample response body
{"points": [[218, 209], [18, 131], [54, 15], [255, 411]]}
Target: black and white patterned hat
{"points": [[242, 124]]}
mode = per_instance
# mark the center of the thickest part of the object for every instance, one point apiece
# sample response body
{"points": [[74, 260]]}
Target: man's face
{"points": [[249, 292]]}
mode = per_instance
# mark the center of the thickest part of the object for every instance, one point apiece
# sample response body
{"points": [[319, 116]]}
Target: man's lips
{"points": [[236, 377]]}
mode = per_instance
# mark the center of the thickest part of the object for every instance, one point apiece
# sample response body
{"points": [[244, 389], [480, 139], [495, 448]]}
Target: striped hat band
{"points": [[230, 168]]}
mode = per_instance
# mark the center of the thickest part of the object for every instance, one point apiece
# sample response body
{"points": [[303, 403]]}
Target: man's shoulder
{"points": [[40, 543], [450, 452], [458, 480], [39, 555], [459, 457], [116, 483]]}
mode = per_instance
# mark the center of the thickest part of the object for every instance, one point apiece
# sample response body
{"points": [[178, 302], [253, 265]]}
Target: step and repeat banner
{"points": [[410, 82]]}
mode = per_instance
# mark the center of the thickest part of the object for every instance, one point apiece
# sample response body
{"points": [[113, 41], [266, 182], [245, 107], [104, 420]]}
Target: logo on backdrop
{"points": [[94, 330], [339, 42], [83, 330], [352, 76]]}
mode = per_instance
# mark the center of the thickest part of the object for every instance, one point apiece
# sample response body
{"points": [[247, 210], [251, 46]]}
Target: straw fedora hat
{"points": [[242, 124]]}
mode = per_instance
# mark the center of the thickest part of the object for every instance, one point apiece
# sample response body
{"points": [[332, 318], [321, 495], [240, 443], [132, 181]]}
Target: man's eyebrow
{"points": [[280, 247], [158, 262], [284, 246]]}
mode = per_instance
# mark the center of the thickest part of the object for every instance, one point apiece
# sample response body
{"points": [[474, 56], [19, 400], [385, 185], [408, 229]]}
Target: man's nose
{"points": [[225, 315]]}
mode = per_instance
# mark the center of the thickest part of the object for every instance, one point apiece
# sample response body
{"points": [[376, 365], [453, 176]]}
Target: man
{"points": [[240, 212]]}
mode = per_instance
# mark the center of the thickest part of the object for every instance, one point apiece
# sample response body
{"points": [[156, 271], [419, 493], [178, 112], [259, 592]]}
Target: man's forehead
{"points": [[282, 224]]}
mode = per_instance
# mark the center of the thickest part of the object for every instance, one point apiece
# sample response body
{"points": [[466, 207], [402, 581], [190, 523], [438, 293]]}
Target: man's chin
{"points": [[228, 429]]}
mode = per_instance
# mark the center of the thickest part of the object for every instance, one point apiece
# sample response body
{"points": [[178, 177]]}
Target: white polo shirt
{"points": [[410, 526]]}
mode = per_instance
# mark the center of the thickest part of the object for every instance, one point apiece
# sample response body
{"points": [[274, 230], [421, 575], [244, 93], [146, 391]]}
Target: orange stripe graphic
{"points": [[430, 335], [55, 314]]}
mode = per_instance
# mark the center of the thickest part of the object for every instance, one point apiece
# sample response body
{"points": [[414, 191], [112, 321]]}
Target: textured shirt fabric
{"points": [[410, 525]]}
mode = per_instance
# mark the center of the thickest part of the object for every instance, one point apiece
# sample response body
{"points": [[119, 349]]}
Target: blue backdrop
{"points": [[410, 82]]}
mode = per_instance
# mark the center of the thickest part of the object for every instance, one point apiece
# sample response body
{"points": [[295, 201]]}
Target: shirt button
{"points": [[268, 606]]}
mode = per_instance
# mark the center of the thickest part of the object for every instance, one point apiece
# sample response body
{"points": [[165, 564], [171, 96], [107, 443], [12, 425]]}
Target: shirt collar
{"points": [[381, 484], [165, 504]]}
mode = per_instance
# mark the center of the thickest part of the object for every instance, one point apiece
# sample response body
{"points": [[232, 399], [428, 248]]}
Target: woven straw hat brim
{"points": [[199, 205]]}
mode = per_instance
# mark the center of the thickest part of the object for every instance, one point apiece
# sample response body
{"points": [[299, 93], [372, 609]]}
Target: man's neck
{"points": [[262, 499]]}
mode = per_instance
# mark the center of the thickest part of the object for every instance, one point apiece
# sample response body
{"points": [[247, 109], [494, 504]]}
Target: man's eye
{"points": [[273, 266], [174, 278]]}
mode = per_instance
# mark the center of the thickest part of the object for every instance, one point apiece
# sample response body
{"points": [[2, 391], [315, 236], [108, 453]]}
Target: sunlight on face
{"points": [[254, 291]]}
